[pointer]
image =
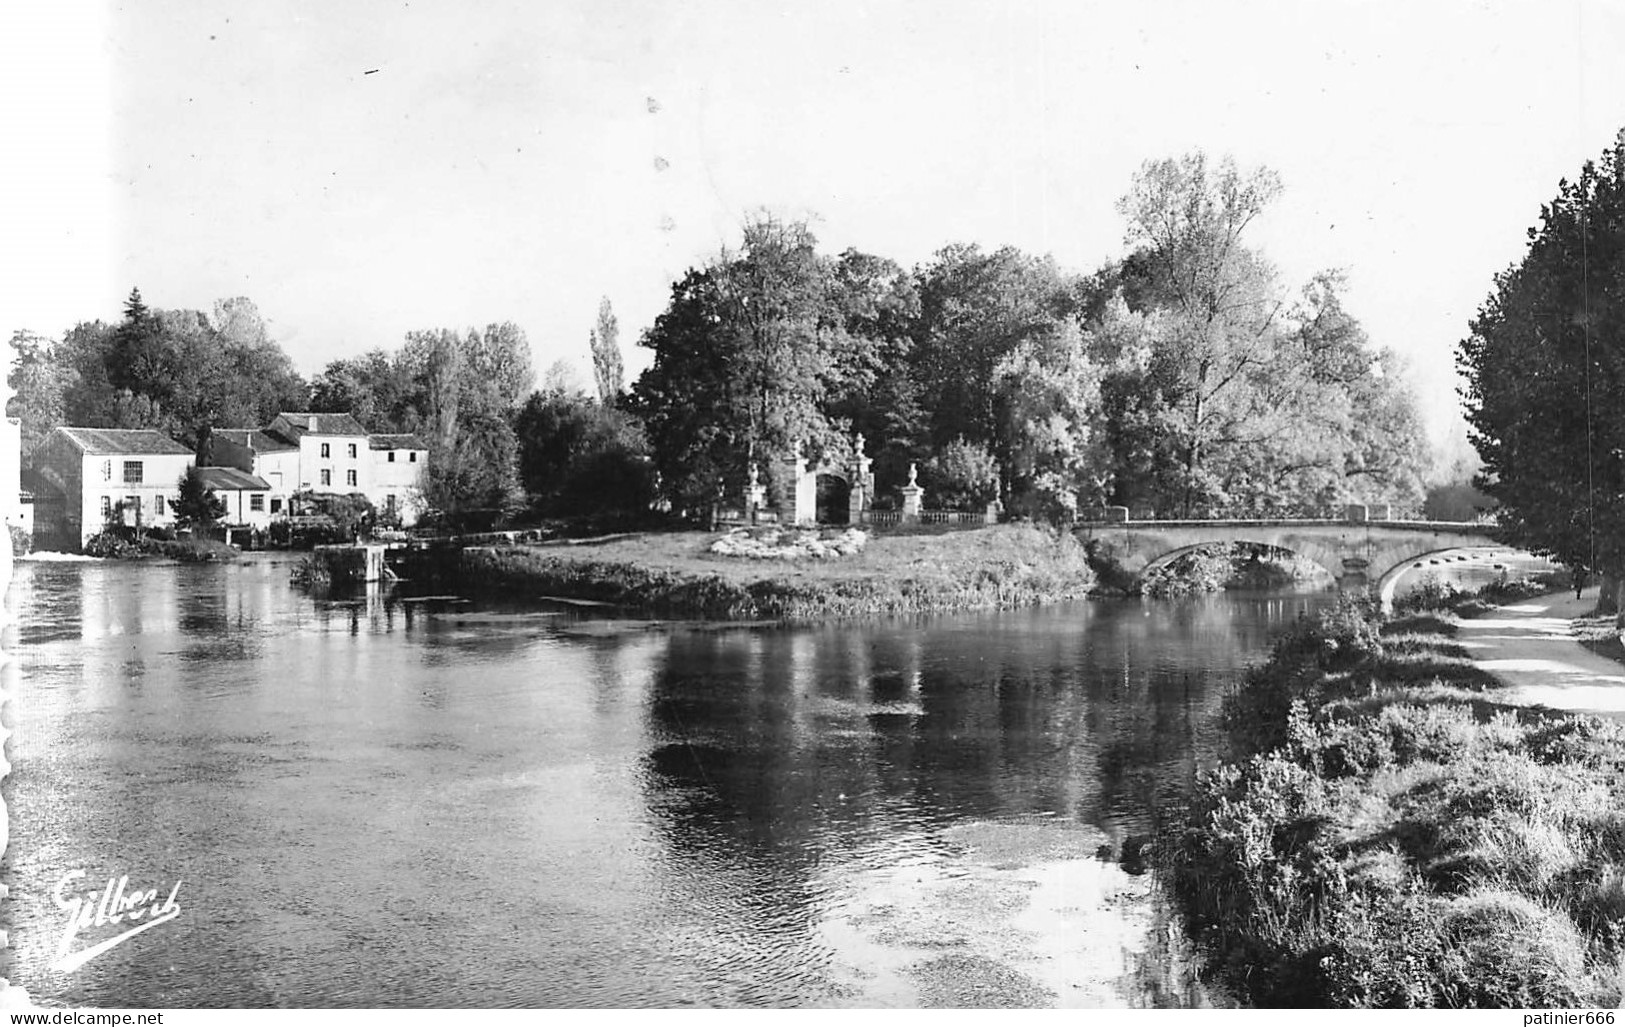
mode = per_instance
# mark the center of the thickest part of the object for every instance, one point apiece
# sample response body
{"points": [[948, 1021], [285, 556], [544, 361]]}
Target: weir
{"points": [[354, 563]]}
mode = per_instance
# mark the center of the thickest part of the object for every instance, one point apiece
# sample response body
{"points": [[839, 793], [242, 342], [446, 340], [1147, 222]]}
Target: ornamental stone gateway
{"points": [[801, 497]]}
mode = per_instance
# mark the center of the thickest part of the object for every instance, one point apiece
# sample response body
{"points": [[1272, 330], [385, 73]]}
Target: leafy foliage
{"points": [[964, 476], [458, 390], [744, 360], [179, 371], [1545, 370], [581, 458]]}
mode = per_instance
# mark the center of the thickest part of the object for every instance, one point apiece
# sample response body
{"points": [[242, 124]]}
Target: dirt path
{"points": [[1531, 647]]}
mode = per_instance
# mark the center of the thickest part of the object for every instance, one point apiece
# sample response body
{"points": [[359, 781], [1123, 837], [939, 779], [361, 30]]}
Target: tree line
{"points": [[1183, 378]]}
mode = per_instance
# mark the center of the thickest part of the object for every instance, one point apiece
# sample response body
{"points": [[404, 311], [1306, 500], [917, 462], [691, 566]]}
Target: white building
{"points": [[109, 475], [334, 455], [267, 456], [322, 452], [397, 471], [245, 495]]}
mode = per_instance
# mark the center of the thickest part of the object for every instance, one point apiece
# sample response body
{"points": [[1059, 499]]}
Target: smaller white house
{"points": [[245, 495], [398, 462], [262, 454]]}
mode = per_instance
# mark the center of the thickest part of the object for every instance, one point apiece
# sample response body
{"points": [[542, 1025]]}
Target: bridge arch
{"points": [[1387, 583], [1320, 556]]}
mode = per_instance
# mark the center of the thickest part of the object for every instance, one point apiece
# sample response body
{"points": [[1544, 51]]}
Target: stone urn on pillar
{"points": [[913, 496], [862, 482]]}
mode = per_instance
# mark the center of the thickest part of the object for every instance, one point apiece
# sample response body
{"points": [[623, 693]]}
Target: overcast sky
{"points": [[361, 169]]}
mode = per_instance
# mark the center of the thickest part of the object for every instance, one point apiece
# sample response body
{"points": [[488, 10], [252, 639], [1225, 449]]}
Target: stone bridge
{"points": [[1356, 553]]}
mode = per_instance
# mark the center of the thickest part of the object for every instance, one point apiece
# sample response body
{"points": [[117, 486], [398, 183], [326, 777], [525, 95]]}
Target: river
{"points": [[399, 801]]}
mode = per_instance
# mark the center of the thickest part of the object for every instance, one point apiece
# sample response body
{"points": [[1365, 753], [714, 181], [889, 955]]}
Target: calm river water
{"points": [[403, 802]]}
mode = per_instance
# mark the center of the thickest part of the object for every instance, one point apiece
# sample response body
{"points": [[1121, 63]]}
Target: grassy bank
{"points": [[1388, 836], [675, 574]]}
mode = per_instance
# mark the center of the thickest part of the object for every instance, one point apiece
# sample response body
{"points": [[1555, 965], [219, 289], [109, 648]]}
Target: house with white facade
{"points": [[261, 454], [112, 476], [334, 454], [324, 452], [244, 495], [398, 462]]}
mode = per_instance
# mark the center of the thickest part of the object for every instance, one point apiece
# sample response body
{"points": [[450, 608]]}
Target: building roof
{"points": [[124, 441], [307, 423], [395, 442], [256, 439], [230, 479]]}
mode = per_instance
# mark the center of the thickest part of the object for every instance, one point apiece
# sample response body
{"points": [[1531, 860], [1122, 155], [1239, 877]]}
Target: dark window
{"points": [[352, 451], [349, 478], [276, 506], [327, 477], [132, 472], [107, 506], [158, 506], [327, 451], [256, 501], [414, 458], [392, 456]]}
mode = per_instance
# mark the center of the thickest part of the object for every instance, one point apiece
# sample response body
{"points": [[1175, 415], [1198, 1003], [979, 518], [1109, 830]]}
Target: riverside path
{"points": [[1531, 646]]}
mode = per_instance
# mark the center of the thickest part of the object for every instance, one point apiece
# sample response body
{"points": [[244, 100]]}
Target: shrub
{"points": [[189, 550], [110, 545], [1429, 594], [1389, 949], [311, 573], [964, 476]]}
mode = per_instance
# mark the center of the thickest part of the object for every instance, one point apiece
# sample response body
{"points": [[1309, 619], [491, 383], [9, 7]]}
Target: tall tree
{"points": [[1545, 372], [41, 385], [377, 388], [1187, 220], [976, 308], [606, 355], [747, 356]]}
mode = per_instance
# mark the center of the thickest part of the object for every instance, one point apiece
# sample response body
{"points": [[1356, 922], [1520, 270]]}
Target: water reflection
{"points": [[389, 800]]}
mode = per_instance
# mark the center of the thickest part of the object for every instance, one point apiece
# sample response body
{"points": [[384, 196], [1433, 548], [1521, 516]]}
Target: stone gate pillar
{"points": [[862, 481], [801, 491], [913, 496]]}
